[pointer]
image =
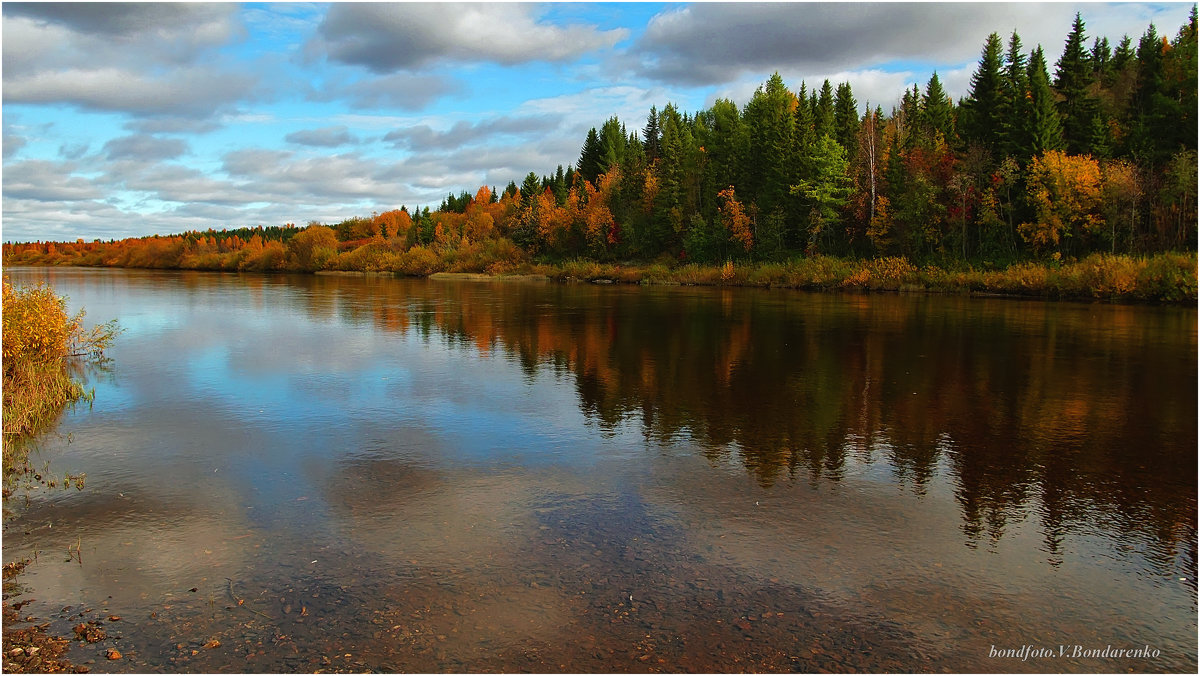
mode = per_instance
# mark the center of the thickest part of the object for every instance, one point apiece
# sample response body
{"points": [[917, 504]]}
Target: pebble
{"points": [[113, 654]]}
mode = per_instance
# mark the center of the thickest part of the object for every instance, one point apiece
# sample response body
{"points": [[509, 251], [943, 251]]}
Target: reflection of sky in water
{"points": [[240, 401], [286, 390]]}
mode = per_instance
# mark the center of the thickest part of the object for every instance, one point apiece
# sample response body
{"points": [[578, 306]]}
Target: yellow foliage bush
{"points": [[39, 338], [36, 326]]}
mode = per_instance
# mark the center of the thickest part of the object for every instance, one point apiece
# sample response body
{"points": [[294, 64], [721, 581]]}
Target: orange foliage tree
{"points": [[735, 219], [1064, 191]]}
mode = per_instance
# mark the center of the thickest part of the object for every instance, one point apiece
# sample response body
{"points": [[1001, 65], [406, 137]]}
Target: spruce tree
{"points": [[771, 158], [823, 112], [613, 142], [1016, 102], [937, 111], [805, 129], [983, 108], [1101, 61], [1147, 110], [1073, 75], [650, 136], [1044, 130], [591, 158], [845, 118], [1123, 54]]}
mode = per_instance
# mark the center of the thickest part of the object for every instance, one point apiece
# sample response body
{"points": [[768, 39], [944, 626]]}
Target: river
{"points": [[328, 473]]}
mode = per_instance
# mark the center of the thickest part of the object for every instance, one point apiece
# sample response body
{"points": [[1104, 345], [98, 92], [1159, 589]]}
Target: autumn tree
{"points": [[312, 248], [735, 220], [1121, 194], [1064, 191]]}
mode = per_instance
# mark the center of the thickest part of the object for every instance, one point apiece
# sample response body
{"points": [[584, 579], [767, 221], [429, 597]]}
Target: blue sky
{"points": [[131, 119]]}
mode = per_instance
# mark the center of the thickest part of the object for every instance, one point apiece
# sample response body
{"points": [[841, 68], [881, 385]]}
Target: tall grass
{"points": [[41, 341]]}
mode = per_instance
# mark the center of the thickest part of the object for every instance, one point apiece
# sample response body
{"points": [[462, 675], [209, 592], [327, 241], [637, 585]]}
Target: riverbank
{"points": [[1169, 277], [1162, 278]]}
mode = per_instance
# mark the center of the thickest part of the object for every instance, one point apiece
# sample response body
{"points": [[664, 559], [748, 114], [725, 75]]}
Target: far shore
{"points": [[1163, 278]]}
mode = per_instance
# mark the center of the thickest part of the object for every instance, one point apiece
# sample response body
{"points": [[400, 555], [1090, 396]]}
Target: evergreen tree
{"points": [[845, 118], [1073, 75], [559, 186], [908, 118], [771, 158], [1146, 105], [1181, 77], [825, 192], [1123, 55], [591, 158], [1101, 60], [725, 143], [650, 136], [823, 122], [1016, 101], [613, 143], [525, 234], [983, 109], [805, 122], [937, 111], [1044, 131]]}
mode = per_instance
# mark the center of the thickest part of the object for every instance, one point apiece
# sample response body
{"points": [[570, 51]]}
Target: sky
{"points": [[129, 119]]}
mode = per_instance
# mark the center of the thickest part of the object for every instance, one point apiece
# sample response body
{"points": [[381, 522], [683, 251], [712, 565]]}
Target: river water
{"points": [[371, 474]]}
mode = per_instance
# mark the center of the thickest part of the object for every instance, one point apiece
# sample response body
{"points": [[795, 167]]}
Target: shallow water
{"points": [[413, 475]]}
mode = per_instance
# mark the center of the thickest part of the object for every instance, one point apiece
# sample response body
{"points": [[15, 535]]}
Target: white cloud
{"points": [[385, 37], [722, 42]]}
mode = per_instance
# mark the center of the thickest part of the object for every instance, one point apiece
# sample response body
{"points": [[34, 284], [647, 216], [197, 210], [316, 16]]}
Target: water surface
{"points": [[416, 475]]}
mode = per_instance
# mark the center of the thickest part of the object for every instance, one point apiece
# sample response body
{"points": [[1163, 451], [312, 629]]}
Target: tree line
{"points": [[1101, 156]]}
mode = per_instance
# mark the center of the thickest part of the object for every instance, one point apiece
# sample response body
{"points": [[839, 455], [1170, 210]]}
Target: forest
{"points": [[1074, 181]]}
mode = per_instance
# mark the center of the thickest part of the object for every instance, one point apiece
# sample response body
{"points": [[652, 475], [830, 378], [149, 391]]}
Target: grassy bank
{"points": [[1158, 278], [41, 344], [1166, 277]]}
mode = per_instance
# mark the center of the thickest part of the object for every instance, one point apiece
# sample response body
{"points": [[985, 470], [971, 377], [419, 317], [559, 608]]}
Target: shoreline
{"points": [[1160, 279]]}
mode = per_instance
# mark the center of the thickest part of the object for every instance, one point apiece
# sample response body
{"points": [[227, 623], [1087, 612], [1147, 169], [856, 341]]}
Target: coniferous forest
{"points": [[1082, 165]]}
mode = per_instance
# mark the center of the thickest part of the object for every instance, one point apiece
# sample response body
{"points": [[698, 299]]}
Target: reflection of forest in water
{"points": [[1083, 417]]}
